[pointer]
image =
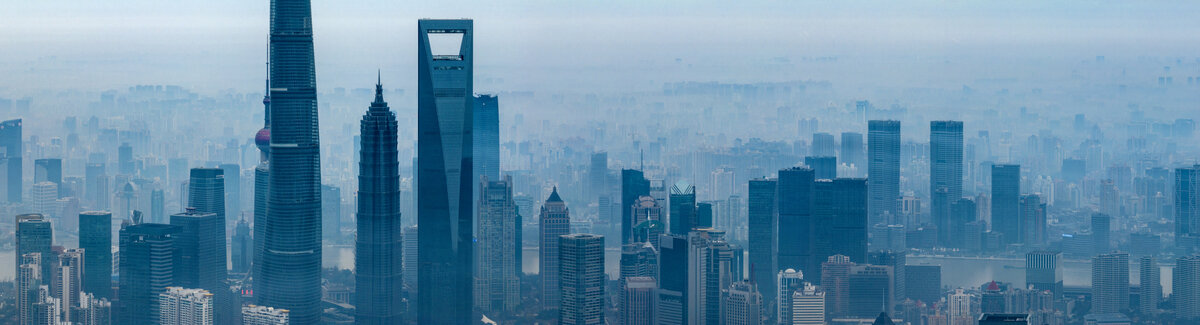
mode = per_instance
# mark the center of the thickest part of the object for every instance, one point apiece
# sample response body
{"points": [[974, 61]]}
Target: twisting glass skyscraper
{"points": [[290, 277], [377, 263], [444, 167]]}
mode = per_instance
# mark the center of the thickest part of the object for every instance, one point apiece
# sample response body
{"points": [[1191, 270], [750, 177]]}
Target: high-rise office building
{"points": [[290, 274], [200, 244], [597, 182], [331, 211], [962, 212], [671, 305], [1006, 193], [637, 300], [180, 306], [743, 304], [49, 170], [497, 287], [241, 246], [822, 145], [852, 151], [378, 262], [97, 191], [790, 281], [125, 164], [808, 306], [1033, 220], [898, 261], [1110, 283], [762, 234], [158, 206], [147, 268], [1150, 287], [95, 238], [839, 221], [206, 193], [869, 290], [34, 235], [13, 146], [29, 278], [922, 282], [1101, 229], [705, 214], [1187, 208], [1044, 271], [835, 279], [445, 166], [68, 281], [1185, 288], [683, 208], [45, 198], [883, 169], [555, 221], [647, 220], [262, 315], [581, 279], [795, 203], [945, 172], [410, 262], [711, 269], [824, 167], [486, 139], [233, 191], [634, 185]]}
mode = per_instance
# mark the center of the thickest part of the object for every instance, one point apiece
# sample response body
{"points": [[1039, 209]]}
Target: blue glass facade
{"points": [[378, 264]]}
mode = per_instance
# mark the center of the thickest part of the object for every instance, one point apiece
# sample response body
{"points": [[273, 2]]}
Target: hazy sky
{"points": [[221, 44]]}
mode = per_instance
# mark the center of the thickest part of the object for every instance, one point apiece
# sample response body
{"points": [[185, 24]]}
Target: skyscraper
{"points": [[1033, 220], [95, 237], [1101, 224], [1150, 287], [377, 259], [581, 279], [290, 274], [11, 143], [598, 177], [34, 235], [795, 219], [743, 304], [683, 208], [179, 306], [945, 172], [49, 170], [637, 301], [790, 281], [497, 288], [822, 145], [445, 166], [1110, 283], [808, 306], [1044, 271], [147, 268], [671, 305], [555, 221], [633, 186], [29, 278], [233, 191], [869, 290], [762, 232], [125, 164], [486, 140], [1185, 288], [1006, 193], [200, 244], [835, 279], [1187, 208], [883, 169], [824, 167], [241, 246], [206, 193], [331, 212], [97, 191], [898, 261], [852, 151], [839, 221]]}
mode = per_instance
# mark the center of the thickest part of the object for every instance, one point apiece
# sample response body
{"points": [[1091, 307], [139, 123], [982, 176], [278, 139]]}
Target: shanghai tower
{"points": [[444, 180], [377, 262], [291, 256]]}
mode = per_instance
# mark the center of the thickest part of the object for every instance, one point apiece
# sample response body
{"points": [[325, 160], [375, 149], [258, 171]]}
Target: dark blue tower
{"points": [[377, 261], [290, 277], [444, 180]]}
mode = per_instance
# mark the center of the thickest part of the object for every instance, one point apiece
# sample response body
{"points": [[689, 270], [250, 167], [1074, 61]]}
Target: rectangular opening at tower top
{"points": [[446, 45]]}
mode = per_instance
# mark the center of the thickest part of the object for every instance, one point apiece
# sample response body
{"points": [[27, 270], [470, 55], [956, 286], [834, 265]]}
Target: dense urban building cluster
{"points": [[462, 211]]}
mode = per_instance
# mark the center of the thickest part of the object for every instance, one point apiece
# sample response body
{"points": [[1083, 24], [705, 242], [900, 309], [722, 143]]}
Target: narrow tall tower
{"points": [[290, 277], [945, 177], [444, 172], [883, 169], [377, 261]]}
